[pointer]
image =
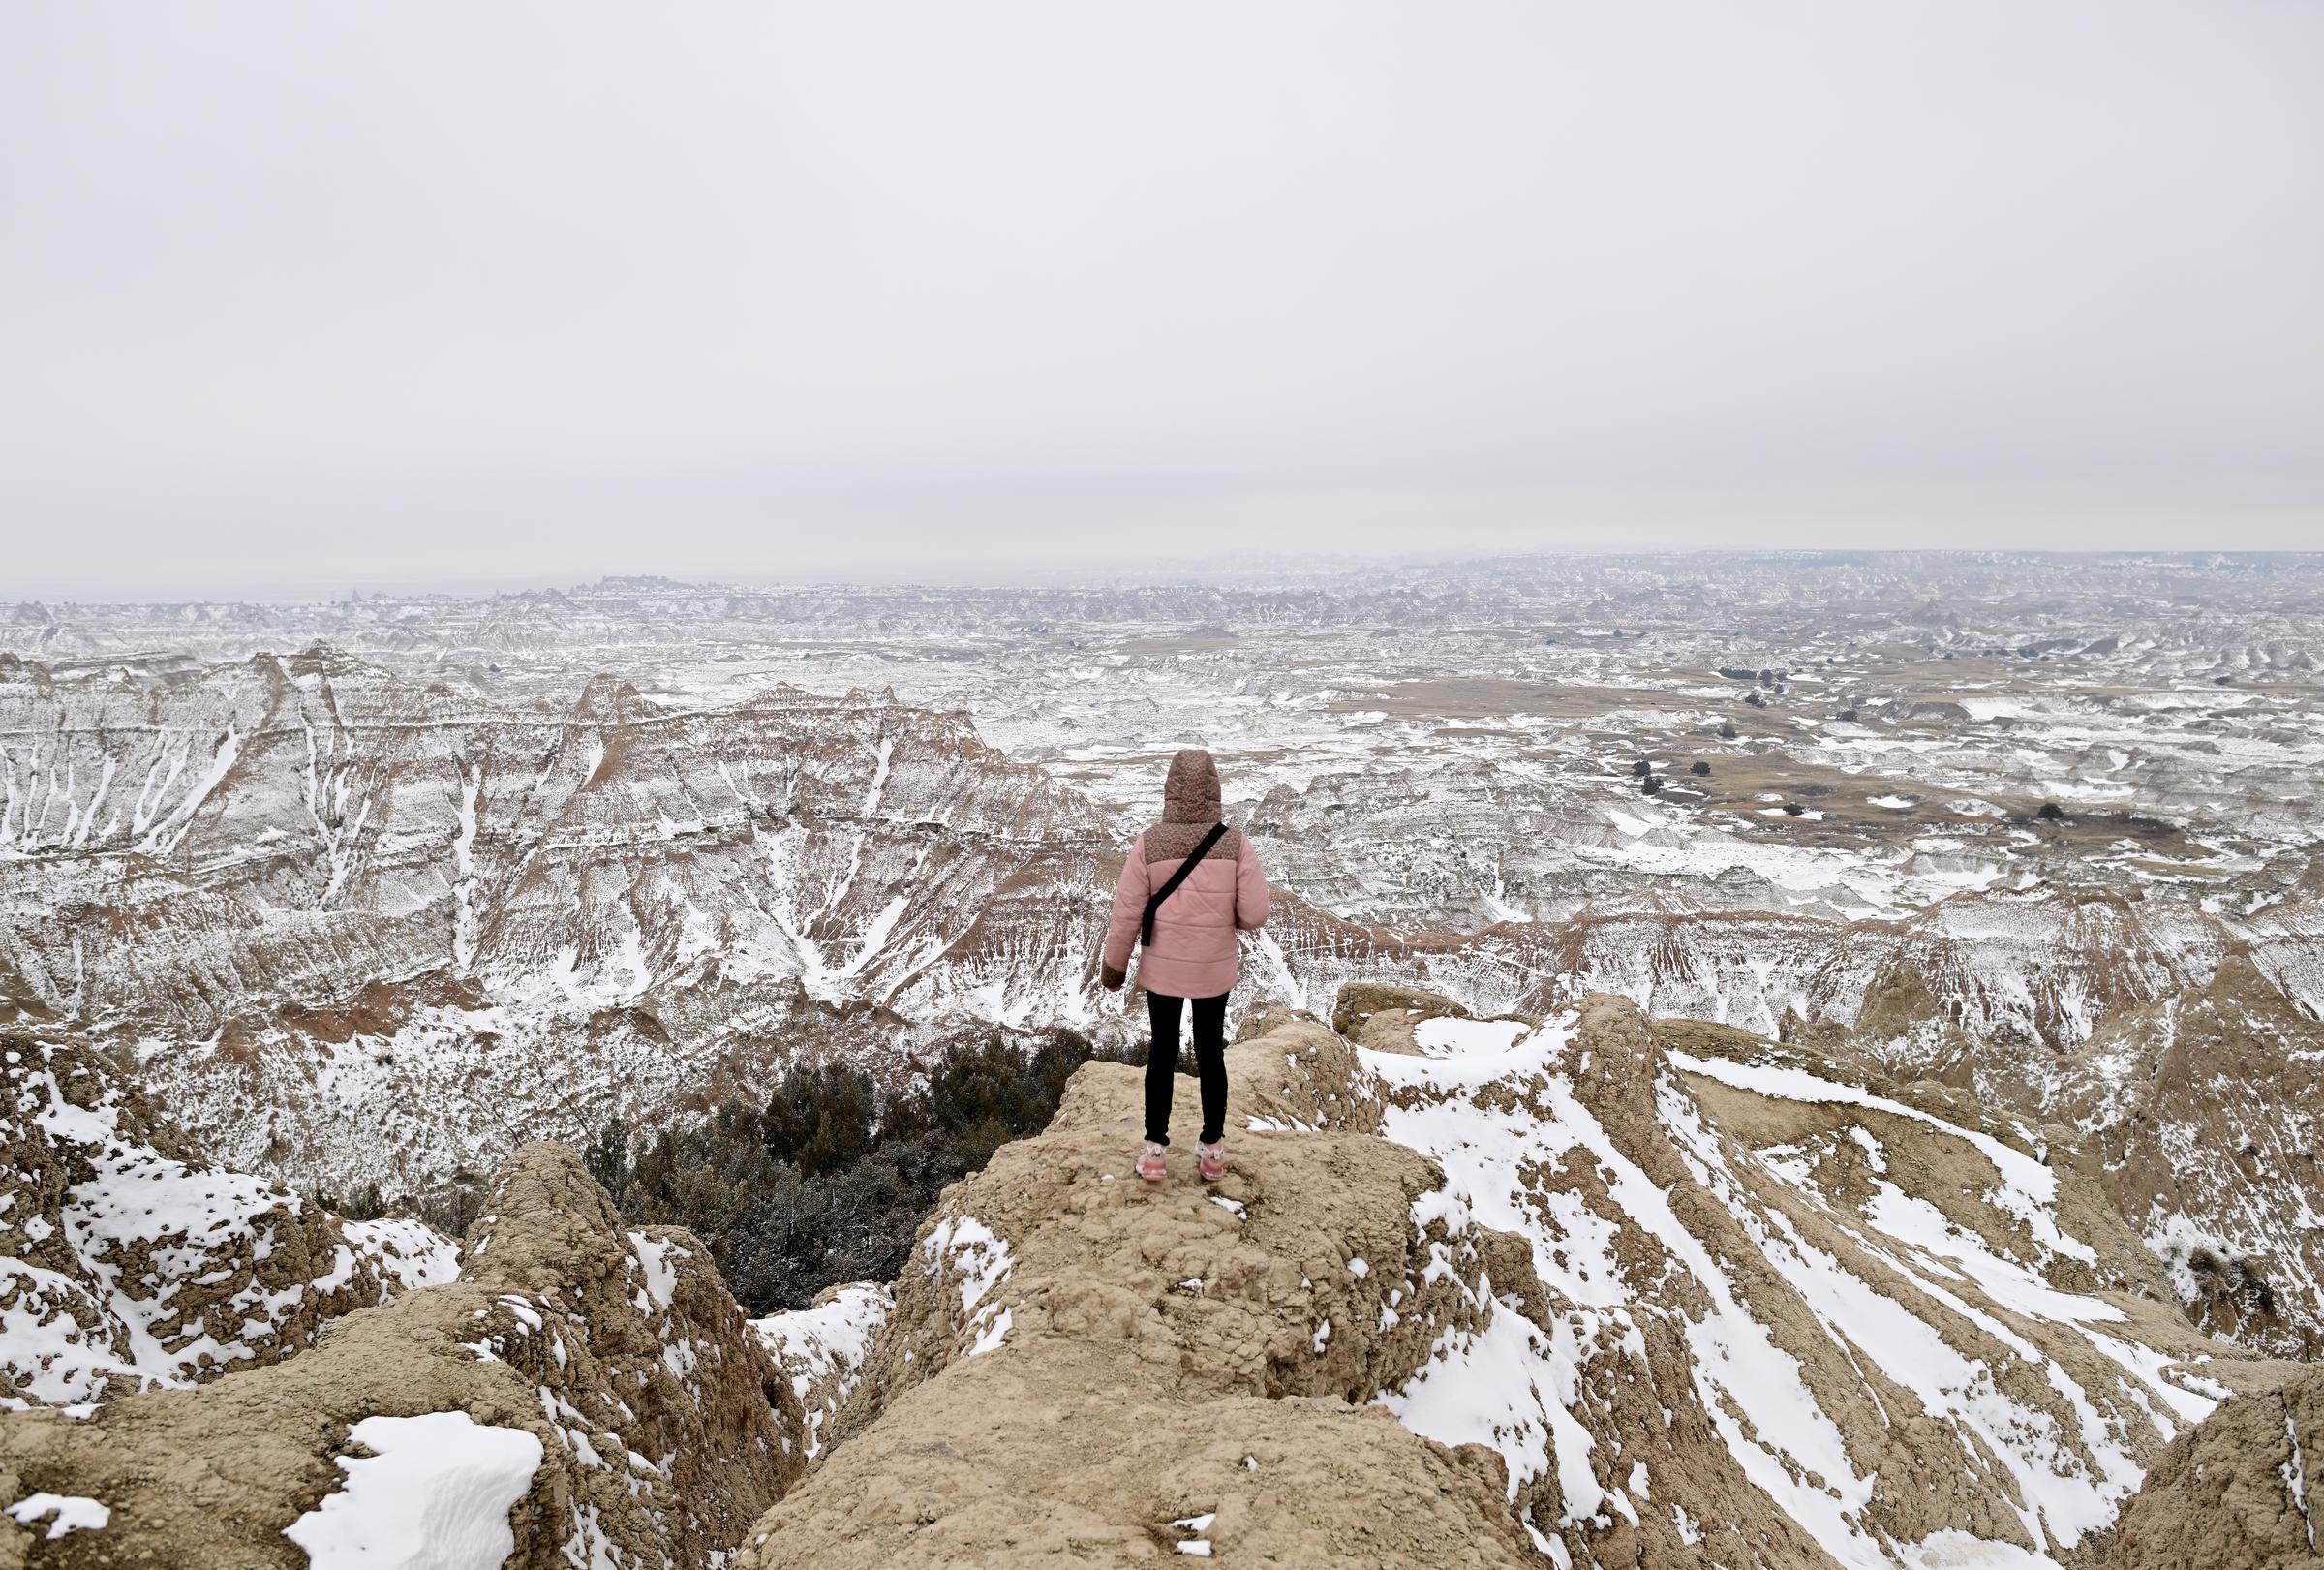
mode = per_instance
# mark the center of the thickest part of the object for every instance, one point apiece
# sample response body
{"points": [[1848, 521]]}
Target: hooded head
{"points": [[1190, 796]]}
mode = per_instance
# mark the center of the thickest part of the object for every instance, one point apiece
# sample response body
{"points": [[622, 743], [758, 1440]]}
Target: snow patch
{"points": [[65, 1513], [965, 1247], [434, 1493]]}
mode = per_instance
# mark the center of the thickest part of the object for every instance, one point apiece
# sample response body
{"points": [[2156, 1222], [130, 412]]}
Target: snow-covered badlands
{"points": [[1785, 1060]]}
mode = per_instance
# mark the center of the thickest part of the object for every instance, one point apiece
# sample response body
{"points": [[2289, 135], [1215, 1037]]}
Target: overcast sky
{"points": [[297, 297]]}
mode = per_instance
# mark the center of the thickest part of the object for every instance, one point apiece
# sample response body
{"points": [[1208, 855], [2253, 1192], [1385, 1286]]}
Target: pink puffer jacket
{"points": [[1195, 952]]}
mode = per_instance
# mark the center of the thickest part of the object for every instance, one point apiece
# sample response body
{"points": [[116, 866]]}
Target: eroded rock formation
{"points": [[1082, 1370], [2245, 1487], [1657, 1293], [128, 1259], [1590, 1289], [664, 1428]]}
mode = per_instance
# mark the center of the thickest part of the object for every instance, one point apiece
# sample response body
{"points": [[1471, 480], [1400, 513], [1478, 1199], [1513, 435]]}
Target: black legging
{"points": [[1209, 1061]]}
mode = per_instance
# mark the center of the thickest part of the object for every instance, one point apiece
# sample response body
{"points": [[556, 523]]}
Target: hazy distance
{"points": [[296, 299]]}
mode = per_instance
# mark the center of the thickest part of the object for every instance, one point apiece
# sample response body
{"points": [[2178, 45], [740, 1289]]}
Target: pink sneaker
{"points": [[1151, 1164], [1211, 1160]]}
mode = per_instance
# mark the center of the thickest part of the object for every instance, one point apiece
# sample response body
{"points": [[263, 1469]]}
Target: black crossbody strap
{"points": [[1146, 928]]}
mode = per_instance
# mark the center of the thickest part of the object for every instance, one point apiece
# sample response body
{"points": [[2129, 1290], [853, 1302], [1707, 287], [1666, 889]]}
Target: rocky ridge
{"points": [[2244, 1488], [1593, 1290], [647, 1425], [1079, 1369], [1672, 1296]]}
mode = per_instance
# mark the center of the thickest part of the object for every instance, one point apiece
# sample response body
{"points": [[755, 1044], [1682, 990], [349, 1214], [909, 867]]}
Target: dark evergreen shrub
{"points": [[820, 1117], [830, 1180]]}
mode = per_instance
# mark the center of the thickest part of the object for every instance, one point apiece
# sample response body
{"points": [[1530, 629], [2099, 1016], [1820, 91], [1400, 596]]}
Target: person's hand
{"points": [[1113, 978]]}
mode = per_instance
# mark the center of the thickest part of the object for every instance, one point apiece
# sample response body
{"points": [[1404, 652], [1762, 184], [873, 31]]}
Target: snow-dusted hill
{"points": [[357, 929], [1859, 1300]]}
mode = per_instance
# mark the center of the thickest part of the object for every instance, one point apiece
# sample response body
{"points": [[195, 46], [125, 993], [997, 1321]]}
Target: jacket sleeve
{"points": [[1130, 891], [1250, 888]]}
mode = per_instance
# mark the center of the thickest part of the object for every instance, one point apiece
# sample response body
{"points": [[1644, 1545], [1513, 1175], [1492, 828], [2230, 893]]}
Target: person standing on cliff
{"points": [[1190, 885]]}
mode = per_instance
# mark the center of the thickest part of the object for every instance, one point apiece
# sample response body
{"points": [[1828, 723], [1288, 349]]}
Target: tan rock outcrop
{"points": [[2244, 1488], [664, 1426], [1357, 1002], [1747, 1313], [1081, 1369]]}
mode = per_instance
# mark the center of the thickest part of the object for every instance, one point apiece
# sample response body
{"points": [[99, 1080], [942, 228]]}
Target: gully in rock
{"points": [[1188, 886]]}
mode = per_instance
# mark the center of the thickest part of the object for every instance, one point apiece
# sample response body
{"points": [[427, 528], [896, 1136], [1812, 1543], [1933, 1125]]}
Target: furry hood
{"points": [[1190, 796]]}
